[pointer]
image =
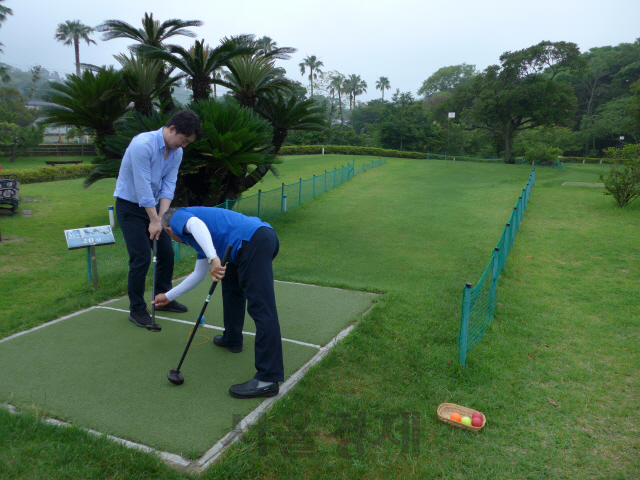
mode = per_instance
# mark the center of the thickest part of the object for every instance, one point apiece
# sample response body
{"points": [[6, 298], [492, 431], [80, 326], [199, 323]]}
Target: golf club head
{"points": [[175, 377], [154, 327]]}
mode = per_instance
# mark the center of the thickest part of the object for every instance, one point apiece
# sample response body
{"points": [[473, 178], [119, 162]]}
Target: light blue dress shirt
{"points": [[145, 176]]}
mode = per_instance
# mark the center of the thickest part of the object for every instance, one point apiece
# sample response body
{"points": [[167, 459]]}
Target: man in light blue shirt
{"points": [[144, 190]]}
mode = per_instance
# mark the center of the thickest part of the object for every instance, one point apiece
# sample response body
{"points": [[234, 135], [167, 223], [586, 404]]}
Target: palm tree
{"points": [[140, 76], [381, 84], [290, 113], [199, 63], [251, 78], [4, 12], [337, 84], [313, 63], [153, 34], [94, 101], [70, 33], [357, 87]]}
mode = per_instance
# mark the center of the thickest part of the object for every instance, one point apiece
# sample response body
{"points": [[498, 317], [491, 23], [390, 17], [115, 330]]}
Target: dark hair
{"points": [[186, 123], [166, 217]]}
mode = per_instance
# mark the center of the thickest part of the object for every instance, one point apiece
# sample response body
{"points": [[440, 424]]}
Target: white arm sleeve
{"points": [[201, 234], [189, 283]]}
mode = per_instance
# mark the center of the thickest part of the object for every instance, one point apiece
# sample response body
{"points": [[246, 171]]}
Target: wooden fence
{"points": [[56, 150]]}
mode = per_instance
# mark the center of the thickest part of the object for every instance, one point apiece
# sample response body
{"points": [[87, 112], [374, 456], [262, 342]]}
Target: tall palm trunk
{"points": [[76, 46]]}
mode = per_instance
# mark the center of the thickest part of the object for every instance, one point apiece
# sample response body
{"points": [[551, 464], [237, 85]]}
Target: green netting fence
{"points": [[112, 260], [478, 303]]}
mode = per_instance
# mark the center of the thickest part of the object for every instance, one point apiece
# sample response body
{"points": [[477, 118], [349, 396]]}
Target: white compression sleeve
{"points": [[201, 234], [189, 283]]}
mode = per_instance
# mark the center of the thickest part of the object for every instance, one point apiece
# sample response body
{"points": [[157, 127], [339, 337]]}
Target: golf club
{"points": [[154, 327], [174, 375]]}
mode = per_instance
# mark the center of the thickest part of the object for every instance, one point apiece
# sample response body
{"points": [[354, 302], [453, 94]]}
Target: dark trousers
{"points": [[134, 222], [249, 283]]}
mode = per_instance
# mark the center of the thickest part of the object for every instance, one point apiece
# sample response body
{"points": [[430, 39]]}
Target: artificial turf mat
{"points": [[98, 370], [307, 313]]}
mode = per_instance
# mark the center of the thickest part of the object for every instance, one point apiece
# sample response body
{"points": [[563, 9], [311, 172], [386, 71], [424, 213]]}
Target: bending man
{"points": [[144, 190], [247, 281]]}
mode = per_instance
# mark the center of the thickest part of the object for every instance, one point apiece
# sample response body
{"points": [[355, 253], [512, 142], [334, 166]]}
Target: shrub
{"points": [[623, 181], [49, 174]]}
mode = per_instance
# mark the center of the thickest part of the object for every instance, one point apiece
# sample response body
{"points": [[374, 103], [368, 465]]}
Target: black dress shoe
{"points": [[173, 306], [250, 389], [220, 342], [141, 318]]}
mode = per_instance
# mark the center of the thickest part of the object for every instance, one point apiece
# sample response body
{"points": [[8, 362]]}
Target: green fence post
{"points": [[226, 204], [300, 193], [259, 195], [520, 211], [464, 324], [325, 181], [495, 275], [314, 187], [283, 200], [334, 176]]}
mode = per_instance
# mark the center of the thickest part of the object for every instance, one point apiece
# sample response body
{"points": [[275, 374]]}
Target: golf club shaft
{"points": [[204, 307], [153, 287]]}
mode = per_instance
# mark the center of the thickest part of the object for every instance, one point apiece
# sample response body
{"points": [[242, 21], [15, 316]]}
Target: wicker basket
{"points": [[446, 409]]}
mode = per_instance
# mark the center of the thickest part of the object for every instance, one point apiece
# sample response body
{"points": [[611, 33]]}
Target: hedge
{"points": [[49, 174], [345, 150], [584, 160]]}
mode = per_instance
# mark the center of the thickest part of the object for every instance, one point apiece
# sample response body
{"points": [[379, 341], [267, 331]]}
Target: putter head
{"points": [[175, 377], [154, 327]]}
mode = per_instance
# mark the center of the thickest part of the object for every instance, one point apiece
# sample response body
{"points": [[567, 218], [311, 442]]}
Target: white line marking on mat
{"points": [[214, 327]]}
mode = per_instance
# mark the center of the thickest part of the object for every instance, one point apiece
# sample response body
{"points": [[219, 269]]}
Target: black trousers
{"points": [[249, 283], [134, 222]]}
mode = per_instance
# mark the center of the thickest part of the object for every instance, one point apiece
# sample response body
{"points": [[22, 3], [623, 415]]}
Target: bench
{"points": [[62, 162], [9, 194]]}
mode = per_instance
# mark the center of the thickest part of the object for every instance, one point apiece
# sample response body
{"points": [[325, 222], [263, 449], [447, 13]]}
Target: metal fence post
{"points": [[300, 193], [283, 201], [325, 181], [464, 326], [259, 195], [507, 244], [314, 187]]}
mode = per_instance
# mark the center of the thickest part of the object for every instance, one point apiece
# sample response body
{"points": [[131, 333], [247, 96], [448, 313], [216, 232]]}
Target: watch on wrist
{"points": [[211, 259]]}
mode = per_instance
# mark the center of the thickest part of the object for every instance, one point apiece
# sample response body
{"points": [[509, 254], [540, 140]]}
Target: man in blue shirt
{"points": [[247, 282], [144, 190]]}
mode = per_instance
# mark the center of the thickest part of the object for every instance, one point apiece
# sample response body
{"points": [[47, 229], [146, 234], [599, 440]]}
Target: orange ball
{"points": [[455, 416]]}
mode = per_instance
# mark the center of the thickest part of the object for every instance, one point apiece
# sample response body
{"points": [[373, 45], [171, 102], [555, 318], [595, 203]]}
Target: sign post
{"points": [[90, 238], [451, 115]]}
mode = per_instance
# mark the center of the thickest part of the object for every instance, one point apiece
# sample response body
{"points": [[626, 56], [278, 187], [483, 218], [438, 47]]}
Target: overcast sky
{"points": [[404, 40]]}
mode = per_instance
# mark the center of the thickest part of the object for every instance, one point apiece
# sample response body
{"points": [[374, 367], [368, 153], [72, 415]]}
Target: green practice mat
{"points": [[98, 370]]}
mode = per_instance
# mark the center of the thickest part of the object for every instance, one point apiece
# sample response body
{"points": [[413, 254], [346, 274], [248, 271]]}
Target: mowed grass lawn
{"points": [[556, 373]]}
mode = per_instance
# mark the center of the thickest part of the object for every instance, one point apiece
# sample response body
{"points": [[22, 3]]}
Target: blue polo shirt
{"points": [[145, 176], [226, 227]]}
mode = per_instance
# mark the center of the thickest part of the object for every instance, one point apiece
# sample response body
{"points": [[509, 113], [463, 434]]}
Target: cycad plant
{"points": [[250, 78], [199, 63], [286, 113], [93, 100], [234, 150], [154, 34], [141, 75]]}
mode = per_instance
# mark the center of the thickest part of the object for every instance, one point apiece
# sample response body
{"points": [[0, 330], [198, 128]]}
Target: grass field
{"points": [[556, 373], [23, 163]]}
